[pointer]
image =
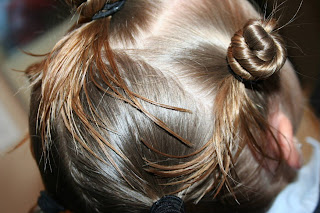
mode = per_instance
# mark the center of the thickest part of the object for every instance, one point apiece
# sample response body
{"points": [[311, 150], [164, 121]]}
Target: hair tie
{"points": [[48, 205], [109, 9], [168, 204], [242, 80]]}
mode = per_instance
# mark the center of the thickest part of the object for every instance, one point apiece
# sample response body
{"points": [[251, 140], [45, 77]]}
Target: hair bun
{"points": [[256, 51], [87, 8]]}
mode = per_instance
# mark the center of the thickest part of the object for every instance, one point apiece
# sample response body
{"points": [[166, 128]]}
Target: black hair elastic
{"points": [[168, 204], [247, 83], [109, 9], [48, 205]]}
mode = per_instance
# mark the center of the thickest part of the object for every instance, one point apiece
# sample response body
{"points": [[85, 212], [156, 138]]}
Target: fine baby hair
{"points": [[165, 106]]}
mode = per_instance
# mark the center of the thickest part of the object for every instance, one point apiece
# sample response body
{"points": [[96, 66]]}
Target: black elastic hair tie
{"points": [[242, 80], [48, 205], [109, 9], [168, 204]]}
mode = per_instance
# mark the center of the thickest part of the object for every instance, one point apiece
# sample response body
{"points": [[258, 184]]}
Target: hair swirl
{"points": [[256, 51]]}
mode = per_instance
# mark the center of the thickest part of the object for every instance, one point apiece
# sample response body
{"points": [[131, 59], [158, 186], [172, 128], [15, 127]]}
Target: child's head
{"points": [[186, 98]]}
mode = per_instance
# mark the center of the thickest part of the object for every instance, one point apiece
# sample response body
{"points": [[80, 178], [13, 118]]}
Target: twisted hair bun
{"points": [[256, 51], [87, 8]]}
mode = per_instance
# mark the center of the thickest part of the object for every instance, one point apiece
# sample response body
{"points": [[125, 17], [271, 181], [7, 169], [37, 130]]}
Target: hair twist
{"points": [[256, 51], [87, 8]]}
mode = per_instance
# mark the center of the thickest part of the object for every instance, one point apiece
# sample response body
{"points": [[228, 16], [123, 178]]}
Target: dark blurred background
{"points": [[302, 36], [21, 21]]}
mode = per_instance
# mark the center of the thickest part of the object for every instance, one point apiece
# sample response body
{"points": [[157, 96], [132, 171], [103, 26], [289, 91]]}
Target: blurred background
{"points": [[35, 25]]}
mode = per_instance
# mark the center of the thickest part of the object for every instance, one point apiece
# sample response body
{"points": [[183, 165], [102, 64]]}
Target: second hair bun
{"points": [[256, 51]]}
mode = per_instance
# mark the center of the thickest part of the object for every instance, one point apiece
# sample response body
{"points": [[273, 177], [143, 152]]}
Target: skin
{"points": [[287, 116]]}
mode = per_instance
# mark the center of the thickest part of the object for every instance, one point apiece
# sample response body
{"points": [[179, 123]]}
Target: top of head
{"points": [[256, 51], [111, 99]]}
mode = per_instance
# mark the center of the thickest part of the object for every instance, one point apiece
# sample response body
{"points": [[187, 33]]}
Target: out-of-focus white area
{"points": [[302, 195]]}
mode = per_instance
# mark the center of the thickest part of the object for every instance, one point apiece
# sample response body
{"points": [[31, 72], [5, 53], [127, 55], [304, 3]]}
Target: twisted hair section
{"points": [[86, 9], [256, 54], [257, 51]]}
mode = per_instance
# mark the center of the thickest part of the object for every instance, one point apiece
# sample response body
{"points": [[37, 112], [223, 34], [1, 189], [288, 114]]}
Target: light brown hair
{"points": [[132, 107]]}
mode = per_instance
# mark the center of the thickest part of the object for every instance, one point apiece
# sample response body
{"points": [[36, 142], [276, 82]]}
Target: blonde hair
{"points": [[132, 107]]}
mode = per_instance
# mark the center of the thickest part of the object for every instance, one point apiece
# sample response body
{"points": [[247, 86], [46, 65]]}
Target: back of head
{"points": [[162, 99]]}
